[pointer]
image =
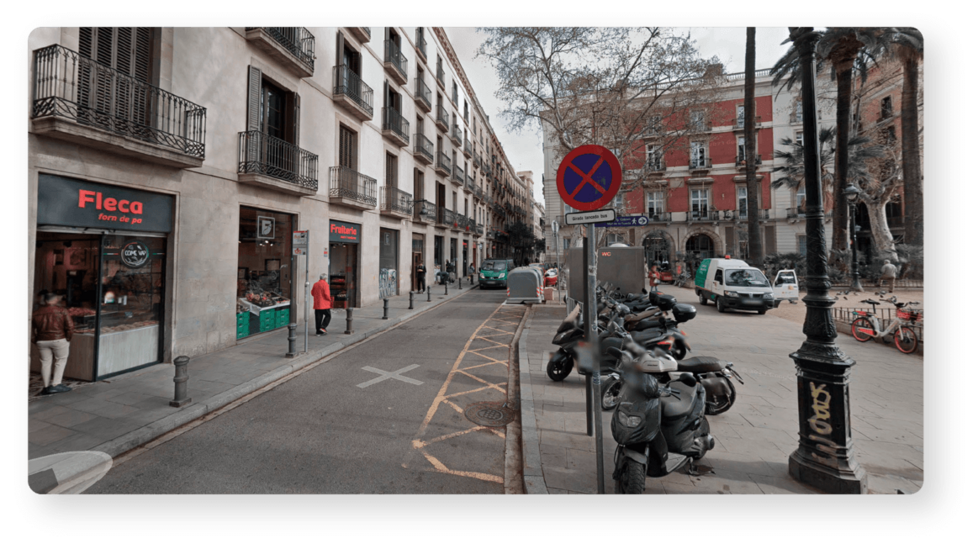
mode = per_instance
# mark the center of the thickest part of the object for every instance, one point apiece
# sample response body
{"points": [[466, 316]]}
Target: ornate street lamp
{"points": [[824, 458], [852, 193]]}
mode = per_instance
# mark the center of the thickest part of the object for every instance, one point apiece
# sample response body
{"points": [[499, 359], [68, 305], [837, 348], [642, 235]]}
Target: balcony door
{"points": [[110, 94]]}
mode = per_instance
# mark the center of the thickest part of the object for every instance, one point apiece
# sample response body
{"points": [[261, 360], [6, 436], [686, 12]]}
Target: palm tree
{"points": [[753, 222]]}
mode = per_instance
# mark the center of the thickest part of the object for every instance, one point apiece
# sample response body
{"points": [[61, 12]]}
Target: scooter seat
{"points": [[681, 405], [700, 365]]}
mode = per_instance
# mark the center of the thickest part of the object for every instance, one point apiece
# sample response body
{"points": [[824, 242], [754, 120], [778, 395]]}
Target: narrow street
{"points": [[386, 416]]}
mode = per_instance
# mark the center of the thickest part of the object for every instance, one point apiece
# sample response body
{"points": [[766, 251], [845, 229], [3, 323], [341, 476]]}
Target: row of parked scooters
{"points": [[660, 398]]}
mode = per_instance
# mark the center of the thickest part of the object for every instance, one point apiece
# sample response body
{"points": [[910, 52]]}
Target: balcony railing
{"points": [[424, 211], [346, 183], [479, 229], [422, 92], [393, 55], [762, 215], [659, 217], [444, 163], [396, 124], [348, 83], [396, 201], [702, 214], [442, 118], [446, 217], [739, 122], [440, 74], [424, 147], [421, 44], [742, 160], [468, 148], [656, 165], [458, 175], [456, 135], [703, 164], [76, 88], [470, 183], [298, 41], [262, 154]]}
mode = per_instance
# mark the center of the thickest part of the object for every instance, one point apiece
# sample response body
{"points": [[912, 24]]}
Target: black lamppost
{"points": [[852, 193], [824, 458]]}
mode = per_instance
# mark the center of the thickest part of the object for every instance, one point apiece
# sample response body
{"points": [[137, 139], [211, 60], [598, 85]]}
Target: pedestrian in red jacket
{"points": [[322, 302]]}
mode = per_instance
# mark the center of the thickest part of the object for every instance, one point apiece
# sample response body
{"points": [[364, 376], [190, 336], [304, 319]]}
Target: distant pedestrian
{"points": [[322, 302], [888, 273], [419, 274], [471, 272], [654, 277], [51, 331]]}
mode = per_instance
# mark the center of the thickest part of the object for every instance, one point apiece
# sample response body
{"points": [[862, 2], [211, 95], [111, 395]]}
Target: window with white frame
{"points": [[798, 112], [615, 238], [654, 124], [566, 243], [697, 154], [742, 202], [656, 203], [619, 202], [742, 148], [653, 157], [568, 209], [699, 203], [697, 120], [740, 116], [800, 199], [800, 139]]}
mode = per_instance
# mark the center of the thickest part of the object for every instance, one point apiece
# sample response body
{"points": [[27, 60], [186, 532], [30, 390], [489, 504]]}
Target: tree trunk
{"points": [[843, 121], [882, 237], [755, 253], [912, 184]]}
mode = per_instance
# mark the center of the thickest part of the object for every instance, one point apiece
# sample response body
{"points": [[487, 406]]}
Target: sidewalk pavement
{"points": [[123, 412], [755, 437]]}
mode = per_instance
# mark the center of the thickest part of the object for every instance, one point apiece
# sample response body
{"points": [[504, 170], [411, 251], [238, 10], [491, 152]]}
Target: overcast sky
{"points": [[525, 150]]}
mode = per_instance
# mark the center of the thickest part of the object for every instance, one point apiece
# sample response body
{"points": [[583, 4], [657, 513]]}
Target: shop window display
{"points": [[265, 277]]}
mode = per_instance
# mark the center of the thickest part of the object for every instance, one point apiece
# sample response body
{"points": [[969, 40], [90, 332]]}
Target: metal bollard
{"points": [[459, 283], [180, 397], [385, 309], [471, 280], [349, 321], [410, 300], [446, 287], [429, 295], [292, 337]]}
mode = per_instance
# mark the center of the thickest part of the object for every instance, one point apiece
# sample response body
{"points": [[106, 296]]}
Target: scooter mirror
{"points": [[687, 379]]}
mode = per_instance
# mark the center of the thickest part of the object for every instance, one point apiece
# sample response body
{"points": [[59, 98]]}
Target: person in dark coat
{"points": [[51, 331], [419, 272]]}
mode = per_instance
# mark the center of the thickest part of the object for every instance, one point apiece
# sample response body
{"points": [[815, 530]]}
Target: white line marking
{"points": [[390, 375]]}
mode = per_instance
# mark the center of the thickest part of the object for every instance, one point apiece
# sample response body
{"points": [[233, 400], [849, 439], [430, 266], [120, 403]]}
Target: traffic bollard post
{"points": [[446, 288], [385, 309], [180, 397], [429, 295], [292, 337], [410, 300], [349, 321], [460, 284]]}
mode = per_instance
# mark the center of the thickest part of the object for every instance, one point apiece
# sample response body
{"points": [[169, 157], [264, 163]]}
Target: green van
{"points": [[494, 272]]}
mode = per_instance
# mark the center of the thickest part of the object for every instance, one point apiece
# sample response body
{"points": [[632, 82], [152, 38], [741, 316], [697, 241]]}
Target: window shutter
{"points": [[295, 119], [339, 48], [254, 98]]}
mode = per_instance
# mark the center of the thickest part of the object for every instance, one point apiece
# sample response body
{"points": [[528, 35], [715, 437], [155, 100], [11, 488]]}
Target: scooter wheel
{"points": [[633, 478], [678, 351], [611, 394], [718, 404], [560, 366]]}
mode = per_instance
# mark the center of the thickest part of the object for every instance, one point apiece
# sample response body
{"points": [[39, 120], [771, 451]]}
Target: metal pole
{"points": [[180, 378], [385, 309], [581, 358], [411, 300], [305, 309], [856, 285], [429, 294], [591, 263], [292, 352], [825, 458], [349, 319]]}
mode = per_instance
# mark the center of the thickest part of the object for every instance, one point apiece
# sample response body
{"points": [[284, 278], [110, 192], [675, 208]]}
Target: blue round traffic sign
{"points": [[589, 177]]}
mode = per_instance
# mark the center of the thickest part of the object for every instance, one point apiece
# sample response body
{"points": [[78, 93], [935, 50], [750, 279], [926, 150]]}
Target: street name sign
{"points": [[588, 178], [583, 218], [627, 221]]}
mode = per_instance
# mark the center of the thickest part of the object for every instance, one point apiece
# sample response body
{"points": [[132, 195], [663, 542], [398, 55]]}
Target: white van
{"points": [[785, 287], [733, 284]]}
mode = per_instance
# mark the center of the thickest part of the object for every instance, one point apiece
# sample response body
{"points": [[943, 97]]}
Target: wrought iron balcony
{"points": [[360, 33], [467, 224], [741, 215], [467, 151], [792, 213], [456, 135], [739, 122], [294, 47], [261, 156], [702, 214], [442, 119], [395, 127], [422, 94], [350, 92], [447, 217], [659, 217], [479, 229], [351, 188], [742, 160], [444, 166], [700, 164], [424, 149], [80, 100], [424, 211], [458, 176], [421, 45], [396, 202], [394, 62], [477, 162], [440, 75], [655, 165], [498, 208], [469, 183]]}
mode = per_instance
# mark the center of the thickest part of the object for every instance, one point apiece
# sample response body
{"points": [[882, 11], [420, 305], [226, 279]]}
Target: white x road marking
{"points": [[390, 375]]}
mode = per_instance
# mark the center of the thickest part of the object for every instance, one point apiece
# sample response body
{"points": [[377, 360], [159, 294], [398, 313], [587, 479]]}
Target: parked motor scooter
{"points": [[571, 332], [660, 424]]}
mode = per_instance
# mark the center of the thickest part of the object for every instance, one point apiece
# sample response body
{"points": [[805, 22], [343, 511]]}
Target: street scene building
{"points": [[370, 139]]}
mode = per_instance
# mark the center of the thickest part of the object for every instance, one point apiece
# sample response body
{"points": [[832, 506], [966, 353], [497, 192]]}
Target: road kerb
{"points": [[513, 462]]}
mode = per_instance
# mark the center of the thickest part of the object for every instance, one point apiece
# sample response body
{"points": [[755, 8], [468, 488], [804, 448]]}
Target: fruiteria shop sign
{"points": [[344, 232], [75, 203]]}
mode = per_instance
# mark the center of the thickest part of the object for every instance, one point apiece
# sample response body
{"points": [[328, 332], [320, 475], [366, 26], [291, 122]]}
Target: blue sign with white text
{"points": [[626, 221]]}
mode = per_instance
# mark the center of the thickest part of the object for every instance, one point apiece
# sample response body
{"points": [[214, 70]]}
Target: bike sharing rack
{"points": [[588, 179]]}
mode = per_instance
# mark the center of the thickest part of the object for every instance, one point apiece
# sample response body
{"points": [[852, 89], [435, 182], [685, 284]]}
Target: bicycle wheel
{"points": [[862, 329], [905, 339]]}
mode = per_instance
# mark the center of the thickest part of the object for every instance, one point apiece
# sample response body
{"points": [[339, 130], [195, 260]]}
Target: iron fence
{"points": [[424, 146], [297, 40], [394, 122], [424, 211], [422, 91], [348, 183], [70, 86], [458, 175], [444, 162], [395, 200], [262, 154], [393, 55], [442, 117], [348, 83]]}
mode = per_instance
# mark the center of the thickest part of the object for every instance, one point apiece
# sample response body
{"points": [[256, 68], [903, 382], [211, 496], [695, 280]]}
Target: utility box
{"points": [[623, 266]]}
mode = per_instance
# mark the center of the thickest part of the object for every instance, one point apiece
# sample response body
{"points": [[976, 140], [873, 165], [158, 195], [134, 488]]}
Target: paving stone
{"points": [[70, 418], [49, 435]]}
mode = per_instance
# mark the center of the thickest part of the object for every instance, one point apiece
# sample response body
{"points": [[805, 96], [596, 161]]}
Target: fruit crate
{"points": [[243, 321], [282, 317]]}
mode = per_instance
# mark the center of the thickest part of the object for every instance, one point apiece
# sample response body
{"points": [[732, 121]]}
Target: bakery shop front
{"points": [[103, 249]]}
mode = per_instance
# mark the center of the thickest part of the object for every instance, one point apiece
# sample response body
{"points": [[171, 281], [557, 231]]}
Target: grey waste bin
{"points": [[524, 285]]}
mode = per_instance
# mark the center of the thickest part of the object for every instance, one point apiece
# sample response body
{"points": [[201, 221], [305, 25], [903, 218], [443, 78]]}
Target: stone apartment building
{"points": [[169, 168]]}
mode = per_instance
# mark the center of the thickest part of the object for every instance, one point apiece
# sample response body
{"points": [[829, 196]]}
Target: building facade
{"points": [[170, 167]]}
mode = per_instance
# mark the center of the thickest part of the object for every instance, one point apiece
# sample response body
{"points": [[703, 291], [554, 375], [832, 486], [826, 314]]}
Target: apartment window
{"points": [[567, 244], [798, 112], [802, 241], [615, 238], [740, 116], [619, 202], [742, 148], [568, 209], [348, 148], [654, 125], [800, 199], [466, 111], [454, 93], [697, 154], [656, 204], [697, 120], [886, 107], [653, 157], [890, 135], [391, 171], [800, 139], [699, 201], [742, 202], [418, 184]]}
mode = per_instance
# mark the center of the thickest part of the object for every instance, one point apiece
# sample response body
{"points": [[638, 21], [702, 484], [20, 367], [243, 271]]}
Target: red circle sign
{"points": [[589, 177]]}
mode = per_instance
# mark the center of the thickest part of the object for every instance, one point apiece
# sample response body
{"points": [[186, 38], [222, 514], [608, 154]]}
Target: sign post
{"points": [[588, 179], [300, 246]]}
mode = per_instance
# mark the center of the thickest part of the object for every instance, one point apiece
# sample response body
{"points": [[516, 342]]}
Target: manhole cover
{"points": [[490, 414]]}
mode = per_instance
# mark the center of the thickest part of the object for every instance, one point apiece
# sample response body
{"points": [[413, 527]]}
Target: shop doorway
{"points": [[417, 257], [343, 267], [658, 248], [112, 287], [388, 263]]}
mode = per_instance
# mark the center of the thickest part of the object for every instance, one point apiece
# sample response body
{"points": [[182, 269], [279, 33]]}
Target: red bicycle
{"points": [[867, 326]]}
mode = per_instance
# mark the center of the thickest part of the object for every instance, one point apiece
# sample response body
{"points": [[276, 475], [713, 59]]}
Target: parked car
{"points": [[494, 272], [733, 284], [550, 279]]}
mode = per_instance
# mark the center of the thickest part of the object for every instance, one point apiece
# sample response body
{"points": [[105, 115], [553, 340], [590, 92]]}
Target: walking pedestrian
{"points": [[419, 273], [654, 277], [51, 331], [471, 272], [888, 272], [322, 302]]}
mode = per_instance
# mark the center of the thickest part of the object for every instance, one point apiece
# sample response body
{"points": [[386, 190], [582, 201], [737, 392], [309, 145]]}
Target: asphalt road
{"points": [[330, 431]]}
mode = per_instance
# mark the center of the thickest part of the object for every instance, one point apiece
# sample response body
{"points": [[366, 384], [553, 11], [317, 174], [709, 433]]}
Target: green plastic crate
{"points": [[282, 318], [243, 329]]}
